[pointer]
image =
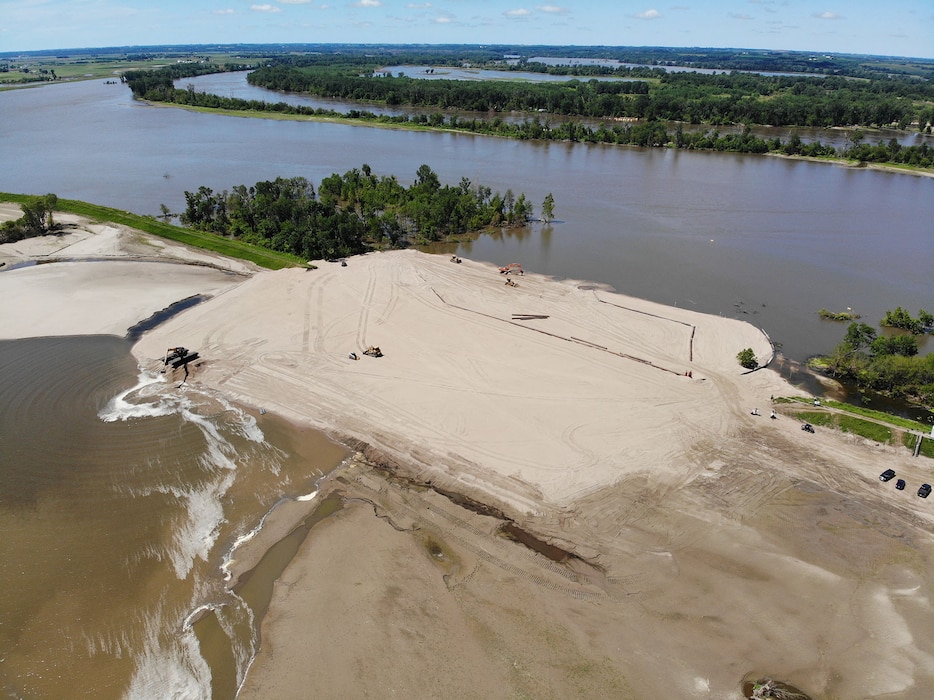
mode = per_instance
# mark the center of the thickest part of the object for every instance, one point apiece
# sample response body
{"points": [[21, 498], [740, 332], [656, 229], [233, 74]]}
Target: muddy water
{"points": [[120, 497]]}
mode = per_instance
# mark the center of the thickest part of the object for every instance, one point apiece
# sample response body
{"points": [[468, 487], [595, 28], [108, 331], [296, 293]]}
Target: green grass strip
{"points": [[889, 418], [230, 248], [878, 415], [865, 428], [815, 417]]}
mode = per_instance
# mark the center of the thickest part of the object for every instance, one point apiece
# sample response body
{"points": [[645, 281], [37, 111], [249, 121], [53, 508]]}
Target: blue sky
{"points": [[894, 27]]}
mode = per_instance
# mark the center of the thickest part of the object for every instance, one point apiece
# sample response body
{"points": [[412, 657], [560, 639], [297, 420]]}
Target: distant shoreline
{"points": [[346, 121]]}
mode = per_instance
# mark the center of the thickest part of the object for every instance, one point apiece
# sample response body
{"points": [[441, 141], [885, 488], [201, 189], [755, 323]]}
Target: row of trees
{"points": [[754, 60], [350, 211], [156, 86], [886, 364], [900, 318], [36, 220]]}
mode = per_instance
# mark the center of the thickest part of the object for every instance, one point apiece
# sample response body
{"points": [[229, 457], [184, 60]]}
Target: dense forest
{"points": [[350, 212], [696, 98]]}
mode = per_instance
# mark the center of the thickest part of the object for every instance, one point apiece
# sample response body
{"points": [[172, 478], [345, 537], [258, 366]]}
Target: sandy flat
{"points": [[99, 279], [702, 545], [530, 395]]}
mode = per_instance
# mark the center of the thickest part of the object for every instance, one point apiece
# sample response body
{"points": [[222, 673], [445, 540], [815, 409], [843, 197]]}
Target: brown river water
{"points": [[121, 497]]}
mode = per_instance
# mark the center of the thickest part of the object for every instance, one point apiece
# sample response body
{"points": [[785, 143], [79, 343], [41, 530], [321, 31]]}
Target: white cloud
{"points": [[519, 12], [443, 20], [828, 15], [367, 3], [228, 11], [418, 6], [649, 14], [552, 9], [738, 15], [293, 2], [265, 8]]}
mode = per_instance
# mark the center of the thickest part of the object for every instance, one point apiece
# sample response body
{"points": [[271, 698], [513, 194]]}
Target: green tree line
{"points": [[888, 364], [350, 212], [159, 86]]}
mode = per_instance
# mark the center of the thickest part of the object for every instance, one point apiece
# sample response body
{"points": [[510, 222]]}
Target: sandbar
{"points": [[703, 545]]}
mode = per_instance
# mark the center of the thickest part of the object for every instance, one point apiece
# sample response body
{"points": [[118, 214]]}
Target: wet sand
{"points": [[705, 544]]}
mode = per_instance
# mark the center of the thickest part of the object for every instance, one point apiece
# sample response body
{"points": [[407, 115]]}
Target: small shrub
{"points": [[837, 315], [747, 358]]}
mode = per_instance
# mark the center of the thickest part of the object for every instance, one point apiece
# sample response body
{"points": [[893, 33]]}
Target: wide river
{"points": [[768, 239], [121, 496]]}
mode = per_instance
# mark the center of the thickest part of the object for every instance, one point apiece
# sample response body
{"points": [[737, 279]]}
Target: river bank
{"points": [[701, 543], [393, 123]]}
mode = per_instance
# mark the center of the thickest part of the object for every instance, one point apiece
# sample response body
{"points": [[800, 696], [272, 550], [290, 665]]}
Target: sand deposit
{"points": [[704, 544]]}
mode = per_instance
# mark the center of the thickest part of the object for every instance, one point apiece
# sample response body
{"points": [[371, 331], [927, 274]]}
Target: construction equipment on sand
{"points": [[177, 357], [511, 267], [373, 351], [511, 283]]}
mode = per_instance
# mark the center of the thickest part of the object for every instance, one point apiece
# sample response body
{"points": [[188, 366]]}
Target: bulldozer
{"points": [[176, 357], [373, 351], [510, 268]]}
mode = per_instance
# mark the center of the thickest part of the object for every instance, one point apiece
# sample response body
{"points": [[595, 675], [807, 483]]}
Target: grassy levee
{"points": [[815, 417], [909, 440], [868, 429], [263, 257], [889, 418], [895, 430]]}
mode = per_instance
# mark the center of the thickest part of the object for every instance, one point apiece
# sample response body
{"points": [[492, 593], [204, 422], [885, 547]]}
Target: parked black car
{"points": [[924, 491], [900, 484], [887, 475]]}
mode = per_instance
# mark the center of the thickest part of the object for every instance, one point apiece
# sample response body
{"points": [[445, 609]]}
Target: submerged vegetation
{"points": [[887, 364], [353, 211], [285, 221], [838, 315], [900, 318]]}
